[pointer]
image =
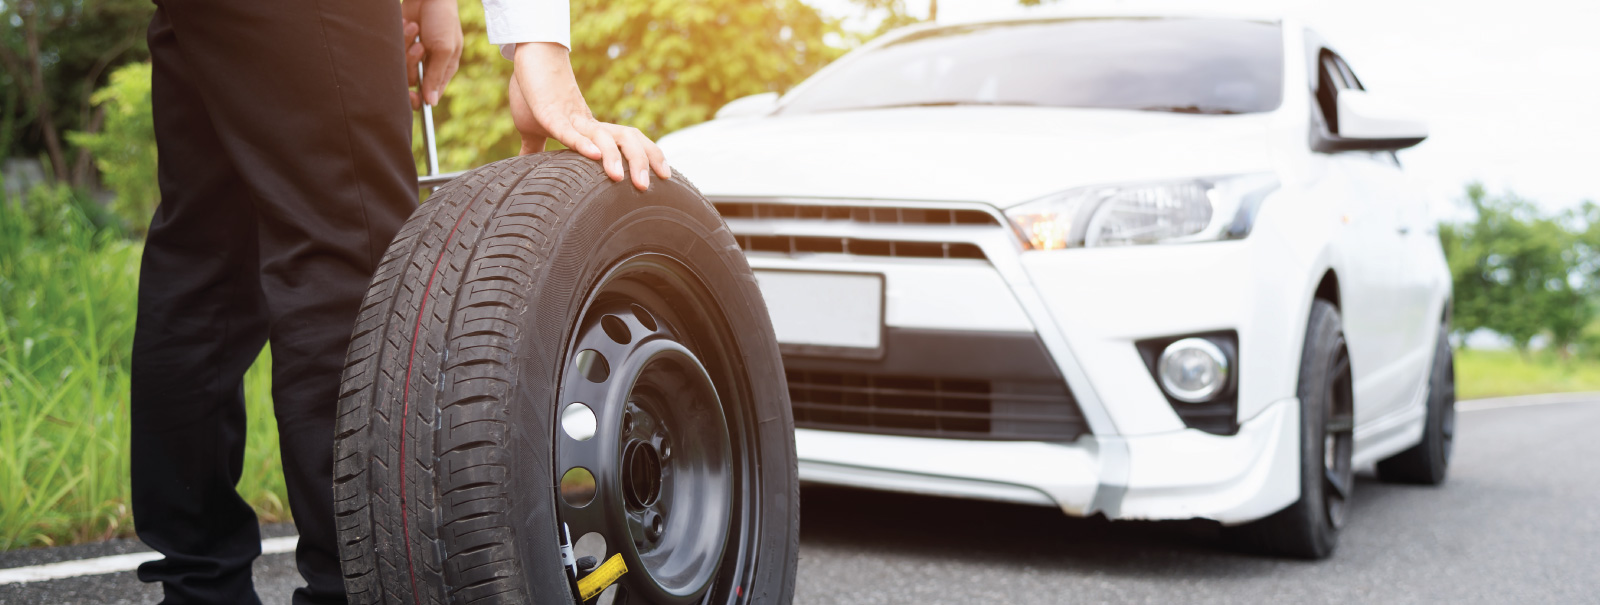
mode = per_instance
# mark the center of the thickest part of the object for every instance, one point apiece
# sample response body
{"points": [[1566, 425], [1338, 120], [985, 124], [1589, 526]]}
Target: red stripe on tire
{"points": [[405, 401]]}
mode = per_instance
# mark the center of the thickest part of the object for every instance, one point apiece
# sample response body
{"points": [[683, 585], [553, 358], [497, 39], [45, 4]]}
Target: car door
{"points": [[1372, 286], [1423, 275]]}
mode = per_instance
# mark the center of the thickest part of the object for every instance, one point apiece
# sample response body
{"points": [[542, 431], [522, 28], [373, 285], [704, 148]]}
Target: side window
{"points": [[1333, 74], [1328, 82], [1350, 79]]}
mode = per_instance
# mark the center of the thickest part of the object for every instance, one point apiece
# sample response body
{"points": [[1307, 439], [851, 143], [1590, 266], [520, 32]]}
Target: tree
{"points": [[657, 66], [53, 55], [125, 149], [1518, 272], [891, 13]]}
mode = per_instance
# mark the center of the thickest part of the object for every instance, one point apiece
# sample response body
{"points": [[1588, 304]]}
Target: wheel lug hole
{"points": [[653, 525], [577, 487], [593, 366]]}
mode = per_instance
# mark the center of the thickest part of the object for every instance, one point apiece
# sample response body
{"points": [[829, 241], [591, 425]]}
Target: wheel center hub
{"points": [[641, 474]]}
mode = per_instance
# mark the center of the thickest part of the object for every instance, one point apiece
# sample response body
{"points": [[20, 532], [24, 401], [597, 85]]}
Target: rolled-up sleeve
{"points": [[512, 22]]}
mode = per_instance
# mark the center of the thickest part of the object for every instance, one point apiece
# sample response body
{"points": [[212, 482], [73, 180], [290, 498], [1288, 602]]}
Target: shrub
{"points": [[125, 148]]}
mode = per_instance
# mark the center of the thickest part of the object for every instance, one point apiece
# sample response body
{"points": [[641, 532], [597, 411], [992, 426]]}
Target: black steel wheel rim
{"points": [[671, 487], [1338, 445]]}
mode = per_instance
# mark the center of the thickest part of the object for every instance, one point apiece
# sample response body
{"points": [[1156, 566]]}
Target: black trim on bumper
{"points": [[939, 383], [1219, 416]]}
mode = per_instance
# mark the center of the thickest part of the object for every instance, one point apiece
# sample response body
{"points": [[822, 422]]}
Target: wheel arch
{"points": [[1327, 289]]}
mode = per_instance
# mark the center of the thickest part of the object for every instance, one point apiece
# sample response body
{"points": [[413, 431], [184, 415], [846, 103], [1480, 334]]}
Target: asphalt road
{"points": [[1518, 522]]}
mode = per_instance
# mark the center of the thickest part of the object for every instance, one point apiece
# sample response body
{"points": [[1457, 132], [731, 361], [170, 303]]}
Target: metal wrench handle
{"points": [[433, 178], [427, 129]]}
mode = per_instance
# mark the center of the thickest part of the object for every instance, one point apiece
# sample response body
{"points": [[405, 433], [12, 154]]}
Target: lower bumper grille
{"points": [[1013, 410], [795, 245]]}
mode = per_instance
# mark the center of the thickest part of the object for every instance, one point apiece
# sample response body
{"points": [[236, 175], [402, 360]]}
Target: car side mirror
{"points": [[1369, 122], [749, 107]]}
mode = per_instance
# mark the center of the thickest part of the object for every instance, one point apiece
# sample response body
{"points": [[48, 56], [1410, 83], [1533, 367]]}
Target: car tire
{"points": [[1309, 528], [1427, 462], [517, 291]]}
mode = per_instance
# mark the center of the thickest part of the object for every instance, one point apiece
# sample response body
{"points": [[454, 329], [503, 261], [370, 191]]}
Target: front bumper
{"points": [[1086, 309], [1182, 475]]}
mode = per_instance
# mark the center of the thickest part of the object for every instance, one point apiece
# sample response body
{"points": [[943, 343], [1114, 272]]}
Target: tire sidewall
{"points": [[610, 223], [1322, 337], [1441, 402]]}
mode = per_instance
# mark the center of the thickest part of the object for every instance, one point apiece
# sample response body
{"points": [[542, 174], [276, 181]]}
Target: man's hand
{"points": [[438, 23], [546, 102]]}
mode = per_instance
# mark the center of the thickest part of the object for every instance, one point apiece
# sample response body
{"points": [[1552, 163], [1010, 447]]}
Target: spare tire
{"points": [[545, 353]]}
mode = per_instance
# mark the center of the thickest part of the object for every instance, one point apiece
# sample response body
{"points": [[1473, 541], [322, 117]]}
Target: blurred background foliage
{"points": [[54, 54], [656, 66], [124, 149], [79, 187], [68, 283], [1526, 274]]}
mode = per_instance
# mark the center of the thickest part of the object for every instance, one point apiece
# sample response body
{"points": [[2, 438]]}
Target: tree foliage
{"points": [[53, 55], [125, 149], [657, 66], [1521, 273]]}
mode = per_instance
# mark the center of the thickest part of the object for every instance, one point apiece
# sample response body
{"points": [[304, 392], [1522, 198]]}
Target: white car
{"points": [[1142, 267]]}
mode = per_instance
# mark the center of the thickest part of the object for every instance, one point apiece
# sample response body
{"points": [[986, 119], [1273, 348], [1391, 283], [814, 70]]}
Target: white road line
{"points": [[113, 564], [1522, 401]]}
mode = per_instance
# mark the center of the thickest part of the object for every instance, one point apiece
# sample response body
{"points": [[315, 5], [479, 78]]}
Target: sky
{"points": [[1510, 89]]}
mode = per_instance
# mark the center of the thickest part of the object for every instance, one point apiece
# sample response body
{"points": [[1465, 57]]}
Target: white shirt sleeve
{"points": [[515, 21]]}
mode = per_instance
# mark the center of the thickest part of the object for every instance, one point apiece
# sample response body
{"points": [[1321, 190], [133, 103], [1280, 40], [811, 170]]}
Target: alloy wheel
{"points": [[1338, 438]]}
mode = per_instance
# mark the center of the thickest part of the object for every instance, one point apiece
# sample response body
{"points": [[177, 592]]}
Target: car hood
{"points": [[1000, 155]]}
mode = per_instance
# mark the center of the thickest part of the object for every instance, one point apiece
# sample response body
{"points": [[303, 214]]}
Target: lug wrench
{"points": [[433, 178]]}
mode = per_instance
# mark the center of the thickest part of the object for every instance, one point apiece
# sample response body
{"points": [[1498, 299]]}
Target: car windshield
{"points": [[1210, 66]]}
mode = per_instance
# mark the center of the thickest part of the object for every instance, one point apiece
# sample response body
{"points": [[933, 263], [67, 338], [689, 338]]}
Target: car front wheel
{"points": [[1309, 528]]}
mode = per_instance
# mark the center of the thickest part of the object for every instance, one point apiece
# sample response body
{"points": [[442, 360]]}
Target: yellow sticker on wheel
{"points": [[602, 577]]}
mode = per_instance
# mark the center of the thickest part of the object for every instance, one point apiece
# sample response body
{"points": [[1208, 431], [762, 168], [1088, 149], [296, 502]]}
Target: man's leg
{"points": [[310, 103], [202, 321]]}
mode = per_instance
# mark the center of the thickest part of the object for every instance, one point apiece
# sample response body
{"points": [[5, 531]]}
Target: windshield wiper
{"points": [[1210, 111]]}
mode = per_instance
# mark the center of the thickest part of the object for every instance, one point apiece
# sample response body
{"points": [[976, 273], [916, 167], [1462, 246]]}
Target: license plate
{"points": [[825, 313]]}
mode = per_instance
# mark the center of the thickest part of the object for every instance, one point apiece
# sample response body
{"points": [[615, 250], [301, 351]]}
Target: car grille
{"points": [[877, 215], [804, 244], [934, 407]]}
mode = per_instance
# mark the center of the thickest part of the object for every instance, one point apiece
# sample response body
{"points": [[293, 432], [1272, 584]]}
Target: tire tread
{"points": [[425, 436]]}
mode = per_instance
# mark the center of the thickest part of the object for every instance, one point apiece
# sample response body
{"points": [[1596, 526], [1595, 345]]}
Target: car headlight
{"points": [[1162, 212]]}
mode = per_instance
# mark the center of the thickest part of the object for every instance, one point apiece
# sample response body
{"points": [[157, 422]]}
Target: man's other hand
{"points": [[432, 30], [546, 102]]}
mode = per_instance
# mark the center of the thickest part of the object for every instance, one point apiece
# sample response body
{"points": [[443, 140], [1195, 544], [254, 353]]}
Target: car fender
{"points": [[1295, 247]]}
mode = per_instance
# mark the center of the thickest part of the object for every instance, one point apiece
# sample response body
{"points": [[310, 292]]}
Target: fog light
{"points": [[1193, 370]]}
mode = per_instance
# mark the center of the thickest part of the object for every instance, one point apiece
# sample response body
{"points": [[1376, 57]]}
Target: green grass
{"points": [[1482, 374], [67, 301]]}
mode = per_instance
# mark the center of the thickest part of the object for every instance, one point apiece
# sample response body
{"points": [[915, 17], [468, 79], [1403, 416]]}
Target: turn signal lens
{"points": [[1045, 231]]}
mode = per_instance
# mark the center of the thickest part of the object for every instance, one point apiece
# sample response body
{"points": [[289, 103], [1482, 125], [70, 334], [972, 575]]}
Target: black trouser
{"points": [[284, 140]]}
